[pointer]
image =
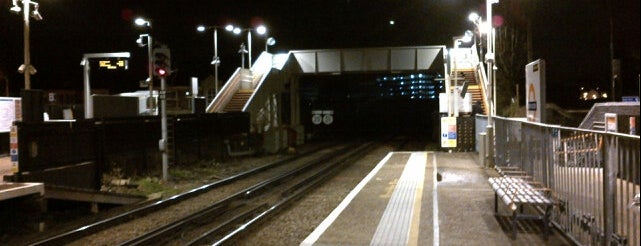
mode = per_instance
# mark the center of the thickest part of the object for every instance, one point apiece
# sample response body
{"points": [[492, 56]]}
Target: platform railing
{"points": [[594, 174]]}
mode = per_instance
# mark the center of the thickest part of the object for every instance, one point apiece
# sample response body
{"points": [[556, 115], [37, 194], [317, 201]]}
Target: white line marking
{"points": [[435, 202], [313, 237]]}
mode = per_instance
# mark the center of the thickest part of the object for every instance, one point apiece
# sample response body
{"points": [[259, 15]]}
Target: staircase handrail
{"points": [[259, 92], [480, 73], [226, 93]]}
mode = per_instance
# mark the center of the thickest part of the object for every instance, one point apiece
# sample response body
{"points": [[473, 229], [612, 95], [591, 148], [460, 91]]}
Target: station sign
{"points": [[112, 63], [448, 132], [322, 116], [13, 148]]}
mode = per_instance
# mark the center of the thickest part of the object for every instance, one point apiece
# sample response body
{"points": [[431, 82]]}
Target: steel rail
{"points": [[74, 234], [167, 231]]}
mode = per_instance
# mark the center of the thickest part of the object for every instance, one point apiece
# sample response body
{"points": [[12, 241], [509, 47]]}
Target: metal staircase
{"points": [[473, 86], [466, 67], [238, 100]]}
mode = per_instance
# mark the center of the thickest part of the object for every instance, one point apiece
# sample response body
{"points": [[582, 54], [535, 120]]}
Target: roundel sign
{"points": [[317, 119], [328, 119]]}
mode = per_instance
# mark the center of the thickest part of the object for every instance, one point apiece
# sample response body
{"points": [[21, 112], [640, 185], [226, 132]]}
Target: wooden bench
{"points": [[516, 192]]}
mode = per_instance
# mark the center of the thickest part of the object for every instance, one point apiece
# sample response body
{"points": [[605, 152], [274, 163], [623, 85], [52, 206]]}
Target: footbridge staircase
{"points": [[466, 70]]}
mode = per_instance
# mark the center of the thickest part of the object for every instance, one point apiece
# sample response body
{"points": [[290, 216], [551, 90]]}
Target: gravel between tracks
{"points": [[292, 225]]}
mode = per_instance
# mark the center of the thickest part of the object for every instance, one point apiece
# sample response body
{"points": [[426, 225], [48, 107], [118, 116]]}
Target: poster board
{"points": [[10, 111], [535, 91], [448, 132]]}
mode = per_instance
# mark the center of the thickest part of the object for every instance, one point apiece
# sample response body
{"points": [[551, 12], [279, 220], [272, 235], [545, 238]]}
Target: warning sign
{"points": [[448, 132]]}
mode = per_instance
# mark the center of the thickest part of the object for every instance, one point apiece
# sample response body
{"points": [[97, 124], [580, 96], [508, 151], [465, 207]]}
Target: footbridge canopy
{"points": [[391, 59]]}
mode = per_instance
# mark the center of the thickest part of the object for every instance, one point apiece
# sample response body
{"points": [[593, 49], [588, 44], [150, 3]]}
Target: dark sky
{"points": [[73, 27]]}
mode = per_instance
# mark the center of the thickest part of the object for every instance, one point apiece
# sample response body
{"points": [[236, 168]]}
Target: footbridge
{"points": [[258, 90]]}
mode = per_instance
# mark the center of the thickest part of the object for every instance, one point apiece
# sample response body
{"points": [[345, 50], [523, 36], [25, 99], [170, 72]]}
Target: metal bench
{"points": [[510, 171], [517, 193]]}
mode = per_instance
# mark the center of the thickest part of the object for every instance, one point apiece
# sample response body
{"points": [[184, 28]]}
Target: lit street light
{"points": [[466, 38], [271, 41], [150, 80], [162, 144], [216, 60], [260, 30], [26, 68], [489, 59], [481, 27]]}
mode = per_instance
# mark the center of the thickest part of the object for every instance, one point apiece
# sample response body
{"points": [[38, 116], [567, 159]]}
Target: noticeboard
{"points": [[448, 132], [10, 111]]}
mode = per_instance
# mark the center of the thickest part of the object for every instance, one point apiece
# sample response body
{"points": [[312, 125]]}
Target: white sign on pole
{"points": [[535, 90], [328, 117], [317, 117]]}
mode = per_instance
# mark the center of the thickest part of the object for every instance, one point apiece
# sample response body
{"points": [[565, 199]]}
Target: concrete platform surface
{"points": [[426, 198]]}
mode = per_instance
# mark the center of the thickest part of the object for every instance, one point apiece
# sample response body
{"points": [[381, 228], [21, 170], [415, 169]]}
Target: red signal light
{"points": [[161, 72]]}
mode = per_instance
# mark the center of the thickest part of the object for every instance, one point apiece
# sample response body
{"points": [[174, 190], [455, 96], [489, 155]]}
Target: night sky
{"points": [[572, 35]]}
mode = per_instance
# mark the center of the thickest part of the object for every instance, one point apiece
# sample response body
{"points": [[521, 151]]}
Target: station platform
{"points": [[425, 198], [9, 190]]}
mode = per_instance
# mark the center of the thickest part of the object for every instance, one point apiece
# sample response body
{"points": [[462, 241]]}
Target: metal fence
{"points": [[593, 174]]}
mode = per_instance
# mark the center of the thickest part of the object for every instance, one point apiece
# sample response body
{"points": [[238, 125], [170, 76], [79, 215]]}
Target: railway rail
{"points": [[267, 188]]}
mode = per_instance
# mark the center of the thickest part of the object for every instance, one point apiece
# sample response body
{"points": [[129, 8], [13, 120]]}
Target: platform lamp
{"points": [[260, 30], [271, 41], [26, 68], [490, 59], [216, 60], [151, 104]]}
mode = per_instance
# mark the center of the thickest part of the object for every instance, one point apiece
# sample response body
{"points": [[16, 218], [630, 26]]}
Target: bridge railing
{"points": [[594, 174]]}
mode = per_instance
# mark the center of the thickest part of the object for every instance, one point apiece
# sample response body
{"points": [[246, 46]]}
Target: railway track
{"points": [[239, 201]]}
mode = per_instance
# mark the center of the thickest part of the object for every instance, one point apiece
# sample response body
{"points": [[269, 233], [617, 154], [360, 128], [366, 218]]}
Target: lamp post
{"points": [[150, 79], [489, 59], [457, 41], [26, 68], [269, 42], [216, 60], [482, 28], [237, 30]]}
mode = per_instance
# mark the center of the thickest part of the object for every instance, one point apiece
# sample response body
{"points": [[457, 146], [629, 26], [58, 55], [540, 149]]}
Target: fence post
{"points": [[609, 186]]}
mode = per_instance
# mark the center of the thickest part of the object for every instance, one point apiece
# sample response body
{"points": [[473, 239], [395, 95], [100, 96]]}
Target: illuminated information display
{"points": [[112, 64]]}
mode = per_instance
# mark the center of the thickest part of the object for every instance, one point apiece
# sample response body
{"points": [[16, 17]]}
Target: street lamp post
{"points": [[269, 42], [481, 28], [489, 59], [150, 79], [26, 68], [216, 60], [457, 41], [237, 30]]}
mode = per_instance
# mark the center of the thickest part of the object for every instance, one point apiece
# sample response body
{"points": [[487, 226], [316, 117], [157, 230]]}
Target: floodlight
{"points": [[200, 28], [36, 14], [16, 9], [261, 29]]}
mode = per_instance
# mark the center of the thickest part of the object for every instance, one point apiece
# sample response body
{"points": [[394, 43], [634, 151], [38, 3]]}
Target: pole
{"points": [[489, 59], [163, 129], [494, 95], [27, 55], [87, 89], [150, 79], [217, 61], [249, 49]]}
